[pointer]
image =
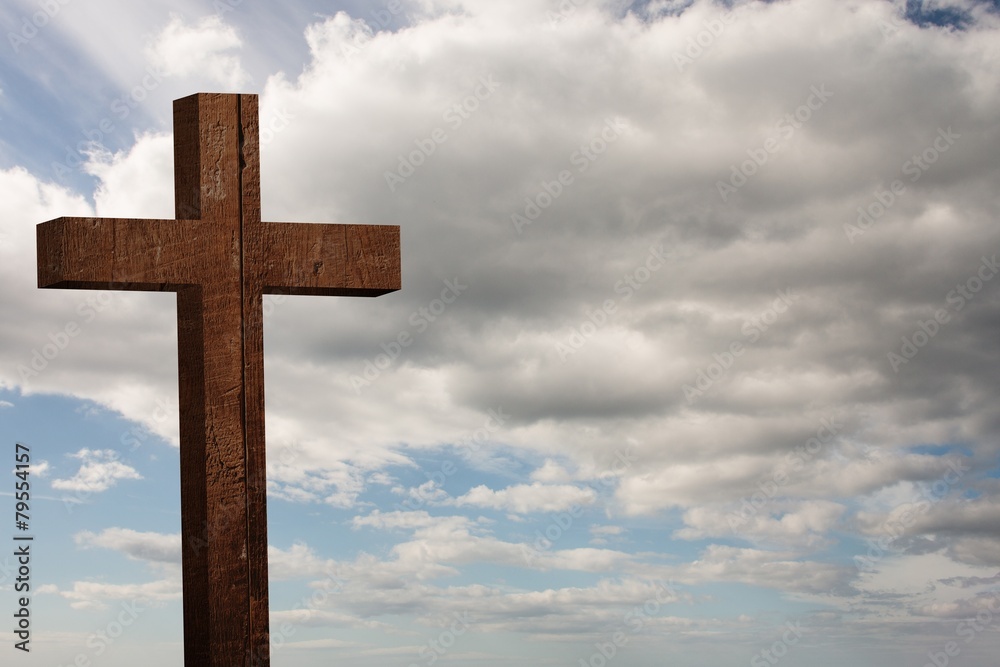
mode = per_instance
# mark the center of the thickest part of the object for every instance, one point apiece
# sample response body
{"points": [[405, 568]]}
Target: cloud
{"points": [[602, 533], [89, 595], [137, 182], [306, 471], [100, 471], [356, 593], [963, 516], [966, 529], [551, 472], [203, 49], [984, 604], [317, 618], [804, 524], [752, 478], [6, 404], [439, 543], [901, 585], [40, 469], [161, 551], [767, 569], [528, 498], [298, 562], [146, 546]]}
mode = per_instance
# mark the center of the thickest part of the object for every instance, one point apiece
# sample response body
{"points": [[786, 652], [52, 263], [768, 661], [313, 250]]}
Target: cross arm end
{"points": [[331, 260], [111, 253]]}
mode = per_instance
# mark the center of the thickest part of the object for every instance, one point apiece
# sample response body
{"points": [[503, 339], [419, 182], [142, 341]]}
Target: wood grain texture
{"points": [[214, 446], [251, 238], [330, 260], [220, 258]]}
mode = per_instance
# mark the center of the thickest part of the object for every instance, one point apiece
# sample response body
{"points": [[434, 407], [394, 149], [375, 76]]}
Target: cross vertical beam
{"points": [[223, 479]]}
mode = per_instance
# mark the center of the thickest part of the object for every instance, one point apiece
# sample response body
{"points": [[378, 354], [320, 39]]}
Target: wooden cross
{"points": [[220, 259]]}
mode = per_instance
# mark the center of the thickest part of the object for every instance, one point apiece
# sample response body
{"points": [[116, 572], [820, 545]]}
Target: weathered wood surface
{"points": [[220, 259]]}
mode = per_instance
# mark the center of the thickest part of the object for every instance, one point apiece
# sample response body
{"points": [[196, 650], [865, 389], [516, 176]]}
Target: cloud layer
{"points": [[730, 272]]}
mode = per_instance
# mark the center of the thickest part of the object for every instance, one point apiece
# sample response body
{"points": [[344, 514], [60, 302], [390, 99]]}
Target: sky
{"points": [[694, 361]]}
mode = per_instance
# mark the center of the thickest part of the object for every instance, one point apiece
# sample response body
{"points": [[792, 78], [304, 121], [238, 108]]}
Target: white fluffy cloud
{"points": [[100, 470], [147, 546], [440, 543], [526, 498], [94, 595], [137, 183], [805, 524], [205, 48]]}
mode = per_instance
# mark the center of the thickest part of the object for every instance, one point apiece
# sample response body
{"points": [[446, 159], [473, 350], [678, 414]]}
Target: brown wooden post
{"points": [[220, 259]]}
